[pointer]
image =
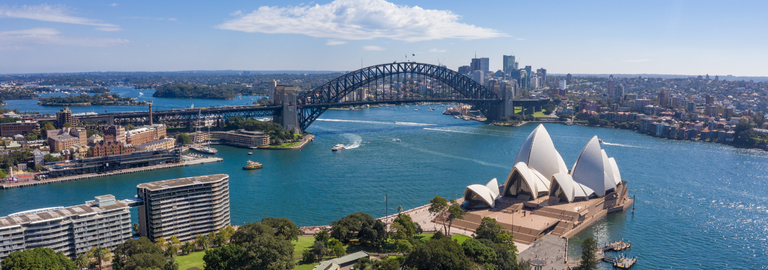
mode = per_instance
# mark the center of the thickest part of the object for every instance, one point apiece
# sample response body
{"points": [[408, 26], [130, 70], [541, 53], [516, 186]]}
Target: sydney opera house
{"points": [[542, 196]]}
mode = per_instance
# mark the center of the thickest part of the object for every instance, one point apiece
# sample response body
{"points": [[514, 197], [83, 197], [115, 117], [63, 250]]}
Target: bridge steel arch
{"points": [[312, 104]]}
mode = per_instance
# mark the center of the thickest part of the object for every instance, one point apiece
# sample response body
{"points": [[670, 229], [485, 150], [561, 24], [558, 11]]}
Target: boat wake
{"points": [[622, 145], [375, 122], [355, 140], [141, 94], [460, 131]]}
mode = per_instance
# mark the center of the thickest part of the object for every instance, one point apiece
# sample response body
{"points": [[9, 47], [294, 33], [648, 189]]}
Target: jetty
{"points": [[621, 262], [617, 246], [190, 162]]}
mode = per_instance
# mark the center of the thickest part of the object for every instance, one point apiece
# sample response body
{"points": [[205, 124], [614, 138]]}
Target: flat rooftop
{"points": [[56, 213], [180, 182]]}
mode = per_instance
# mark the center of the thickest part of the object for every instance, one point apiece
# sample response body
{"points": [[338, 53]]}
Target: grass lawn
{"points": [[457, 237], [290, 144], [540, 114], [305, 266], [304, 242], [194, 259]]}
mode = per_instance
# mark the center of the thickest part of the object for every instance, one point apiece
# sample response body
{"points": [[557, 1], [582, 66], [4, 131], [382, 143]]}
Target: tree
{"points": [[588, 257], [38, 167], [319, 249], [161, 242], [336, 247], [478, 252], [283, 227], [38, 258], [171, 264], [129, 127], [201, 242], [227, 232], [92, 132], [66, 125], [48, 126], [219, 240], [437, 206], [399, 209], [759, 119], [83, 260], [175, 241], [171, 251], [136, 227], [322, 236], [370, 231], [441, 253], [187, 248], [138, 254], [100, 254], [454, 212], [229, 257], [263, 248], [31, 137], [183, 138]]}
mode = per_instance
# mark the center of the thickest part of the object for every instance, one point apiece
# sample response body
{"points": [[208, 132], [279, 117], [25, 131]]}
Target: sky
{"points": [[580, 37]]}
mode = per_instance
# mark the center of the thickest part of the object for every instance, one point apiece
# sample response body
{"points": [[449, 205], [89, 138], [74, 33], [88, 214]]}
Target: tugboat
{"points": [[252, 165], [338, 147]]}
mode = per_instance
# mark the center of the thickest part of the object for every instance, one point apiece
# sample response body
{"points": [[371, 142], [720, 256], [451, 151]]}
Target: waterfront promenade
{"points": [[189, 161]]}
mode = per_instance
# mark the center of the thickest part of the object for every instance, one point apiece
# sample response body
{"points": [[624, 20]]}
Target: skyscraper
{"points": [[568, 77], [509, 64], [563, 84], [618, 94], [528, 71], [481, 64], [610, 87], [478, 76], [464, 70], [542, 73], [663, 99]]}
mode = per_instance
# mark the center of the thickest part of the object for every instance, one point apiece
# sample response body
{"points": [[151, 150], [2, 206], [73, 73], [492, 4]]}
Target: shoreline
{"points": [[119, 172]]}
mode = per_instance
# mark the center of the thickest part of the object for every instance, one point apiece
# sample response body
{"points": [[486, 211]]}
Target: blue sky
{"points": [[618, 37]]}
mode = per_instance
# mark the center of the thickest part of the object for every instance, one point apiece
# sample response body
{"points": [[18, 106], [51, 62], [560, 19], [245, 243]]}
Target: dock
{"points": [[118, 172], [621, 262], [617, 246]]}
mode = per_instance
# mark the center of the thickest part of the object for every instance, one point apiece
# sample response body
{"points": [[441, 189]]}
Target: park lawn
{"points": [[457, 237], [305, 266], [304, 242], [540, 114], [518, 109], [286, 145], [194, 259]]}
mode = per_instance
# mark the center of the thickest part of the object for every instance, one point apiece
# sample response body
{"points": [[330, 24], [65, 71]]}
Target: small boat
{"points": [[396, 140], [456, 116], [250, 153], [252, 165], [338, 147], [600, 141]]}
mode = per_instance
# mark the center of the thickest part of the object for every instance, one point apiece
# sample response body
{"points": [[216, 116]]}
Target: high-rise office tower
{"points": [[528, 72], [568, 77], [481, 64], [610, 87], [464, 70], [509, 64], [542, 73], [478, 76]]}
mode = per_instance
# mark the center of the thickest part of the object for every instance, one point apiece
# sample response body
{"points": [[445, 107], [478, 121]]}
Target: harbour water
{"points": [[698, 206]]}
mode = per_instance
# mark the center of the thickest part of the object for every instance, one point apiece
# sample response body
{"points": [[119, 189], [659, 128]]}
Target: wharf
{"points": [[30, 183]]}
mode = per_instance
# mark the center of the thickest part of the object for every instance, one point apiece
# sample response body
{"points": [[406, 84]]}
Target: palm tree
{"points": [[187, 248], [101, 254], [201, 242], [83, 260], [136, 227]]}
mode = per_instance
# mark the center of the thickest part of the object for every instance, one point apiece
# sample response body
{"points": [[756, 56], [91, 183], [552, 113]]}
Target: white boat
{"points": [[456, 116], [338, 147], [396, 140], [204, 149]]}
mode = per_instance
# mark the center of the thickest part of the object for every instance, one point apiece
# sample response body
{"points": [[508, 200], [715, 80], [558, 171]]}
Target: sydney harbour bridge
{"points": [[392, 83]]}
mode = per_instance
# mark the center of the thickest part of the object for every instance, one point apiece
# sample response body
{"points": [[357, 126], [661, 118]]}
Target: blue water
{"points": [[699, 205], [30, 105]]}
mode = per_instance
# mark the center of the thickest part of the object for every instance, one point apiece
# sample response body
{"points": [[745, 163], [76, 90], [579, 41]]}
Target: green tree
{"points": [[219, 240], [283, 227], [263, 249], [171, 251], [38, 167], [454, 212], [399, 209], [759, 119], [101, 254], [441, 253], [187, 248], [38, 258], [129, 127], [184, 139], [66, 125], [83, 260], [437, 206], [135, 227], [161, 243], [92, 132], [171, 264], [138, 254], [588, 257], [478, 252], [201, 242], [319, 249], [322, 236], [359, 225], [31, 137], [227, 232], [48, 126], [229, 257], [336, 247]]}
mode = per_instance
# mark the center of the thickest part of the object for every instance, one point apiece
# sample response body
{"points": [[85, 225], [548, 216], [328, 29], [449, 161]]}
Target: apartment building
{"points": [[184, 207], [103, 222]]}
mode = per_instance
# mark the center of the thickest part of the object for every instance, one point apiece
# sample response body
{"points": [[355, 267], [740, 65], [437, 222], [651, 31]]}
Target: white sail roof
{"points": [[539, 153], [616, 174], [571, 189], [590, 169], [532, 179], [487, 193]]}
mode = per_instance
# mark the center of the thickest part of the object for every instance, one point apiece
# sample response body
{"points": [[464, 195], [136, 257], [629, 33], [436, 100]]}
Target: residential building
{"points": [[664, 99], [184, 207], [65, 116], [166, 144], [104, 222], [618, 93], [542, 73], [19, 127], [61, 139], [242, 138], [39, 156], [563, 84], [117, 132]]}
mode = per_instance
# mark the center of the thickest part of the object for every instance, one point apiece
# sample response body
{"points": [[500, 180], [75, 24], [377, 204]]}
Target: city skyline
{"points": [[563, 37]]}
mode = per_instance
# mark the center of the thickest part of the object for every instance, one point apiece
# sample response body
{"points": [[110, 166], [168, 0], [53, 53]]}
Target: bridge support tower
{"points": [[285, 95]]}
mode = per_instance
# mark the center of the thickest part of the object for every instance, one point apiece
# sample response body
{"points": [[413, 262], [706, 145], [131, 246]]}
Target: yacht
{"points": [[338, 147]]}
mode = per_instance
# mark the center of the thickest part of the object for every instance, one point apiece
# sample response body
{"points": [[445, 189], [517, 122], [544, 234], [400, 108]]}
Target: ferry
{"points": [[338, 147], [252, 165], [204, 149]]}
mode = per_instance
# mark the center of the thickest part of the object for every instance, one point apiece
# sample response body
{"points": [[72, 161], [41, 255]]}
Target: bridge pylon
{"points": [[286, 96]]}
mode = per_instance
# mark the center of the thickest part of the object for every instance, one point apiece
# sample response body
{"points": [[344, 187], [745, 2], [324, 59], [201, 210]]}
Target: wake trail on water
{"points": [[376, 122], [621, 145], [355, 139], [456, 157], [463, 132]]}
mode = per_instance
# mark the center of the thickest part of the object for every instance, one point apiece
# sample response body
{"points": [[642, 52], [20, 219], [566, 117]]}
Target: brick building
{"points": [[19, 127], [117, 132], [65, 116], [61, 139], [109, 148], [166, 144], [145, 134]]}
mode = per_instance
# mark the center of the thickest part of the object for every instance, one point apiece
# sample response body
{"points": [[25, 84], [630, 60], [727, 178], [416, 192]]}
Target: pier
{"points": [[197, 161], [617, 246]]}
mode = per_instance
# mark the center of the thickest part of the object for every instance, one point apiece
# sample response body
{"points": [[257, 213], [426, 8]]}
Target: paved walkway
{"points": [[549, 248]]}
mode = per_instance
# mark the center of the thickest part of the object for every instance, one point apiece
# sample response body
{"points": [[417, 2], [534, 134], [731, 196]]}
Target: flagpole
{"points": [[386, 207]]}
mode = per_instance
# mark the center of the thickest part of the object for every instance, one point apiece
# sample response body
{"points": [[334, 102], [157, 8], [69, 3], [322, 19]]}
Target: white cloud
{"points": [[20, 39], [335, 42], [436, 50], [638, 60], [52, 13], [373, 48], [172, 19], [359, 20], [520, 38], [113, 4], [236, 13]]}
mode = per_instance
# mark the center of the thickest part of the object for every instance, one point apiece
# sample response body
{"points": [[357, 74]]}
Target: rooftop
{"points": [[180, 182], [56, 213]]}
